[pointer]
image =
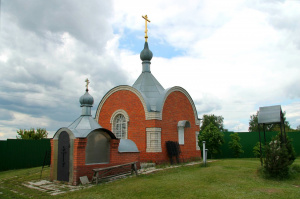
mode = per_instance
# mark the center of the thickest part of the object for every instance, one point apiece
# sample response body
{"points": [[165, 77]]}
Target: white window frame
{"points": [[124, 125], [181, 135], [180, 128], [153, 136]]}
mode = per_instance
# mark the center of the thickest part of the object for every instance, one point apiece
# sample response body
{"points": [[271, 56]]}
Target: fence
{"points": [[17, 154], [248, 141]]}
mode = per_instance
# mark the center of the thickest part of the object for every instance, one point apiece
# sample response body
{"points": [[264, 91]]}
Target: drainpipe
{"points": [[204, 154]]}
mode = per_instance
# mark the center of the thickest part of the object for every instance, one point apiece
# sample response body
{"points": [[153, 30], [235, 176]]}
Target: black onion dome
{"points": [[146, 54], [86, 99]]}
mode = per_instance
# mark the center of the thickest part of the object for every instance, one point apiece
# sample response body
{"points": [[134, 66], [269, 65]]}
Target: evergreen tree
{"points": [[279, 156]]}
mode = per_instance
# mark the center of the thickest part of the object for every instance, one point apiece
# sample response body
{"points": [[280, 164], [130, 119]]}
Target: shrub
{"points": [[279, 156], [235, 144], [256, 150]]}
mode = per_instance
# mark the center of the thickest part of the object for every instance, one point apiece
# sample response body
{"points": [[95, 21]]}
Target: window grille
{"points": [[153, 139], [120, 127]]}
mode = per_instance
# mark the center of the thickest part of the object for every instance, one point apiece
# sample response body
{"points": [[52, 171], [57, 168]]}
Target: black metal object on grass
{"points": [[173, 150]]}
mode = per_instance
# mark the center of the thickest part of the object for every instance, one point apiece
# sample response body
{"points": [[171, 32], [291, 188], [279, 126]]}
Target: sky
{"points": [[231, 56]]}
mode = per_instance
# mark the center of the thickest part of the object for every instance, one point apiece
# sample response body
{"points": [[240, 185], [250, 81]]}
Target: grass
{"points": [[227, 178]]}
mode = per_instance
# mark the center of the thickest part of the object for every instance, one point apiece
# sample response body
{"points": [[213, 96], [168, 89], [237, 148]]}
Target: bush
{"points": [[256, 150], [279, 156], [235, 145]]}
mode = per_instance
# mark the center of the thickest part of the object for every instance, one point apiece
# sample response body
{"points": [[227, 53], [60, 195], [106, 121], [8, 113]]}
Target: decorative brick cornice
{"points": [[149, 115]]}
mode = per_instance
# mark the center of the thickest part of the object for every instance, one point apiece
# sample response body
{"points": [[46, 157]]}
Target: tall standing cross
{"points": [[146, 30], [87, 83]]}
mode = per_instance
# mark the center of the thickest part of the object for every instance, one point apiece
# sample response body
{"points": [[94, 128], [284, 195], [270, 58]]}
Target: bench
{"points": [[106, 170]]}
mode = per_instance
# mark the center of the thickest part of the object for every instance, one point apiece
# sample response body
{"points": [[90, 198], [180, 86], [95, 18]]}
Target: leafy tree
{"points": [[235, 144], [256, 149], [298, 128], [213, 137], [215, 120], [253, 125], [32, 134], [279, 156]]}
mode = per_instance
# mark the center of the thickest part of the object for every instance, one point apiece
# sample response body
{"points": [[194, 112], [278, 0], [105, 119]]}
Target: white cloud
{"points": [[17, 120], [236, 56]]}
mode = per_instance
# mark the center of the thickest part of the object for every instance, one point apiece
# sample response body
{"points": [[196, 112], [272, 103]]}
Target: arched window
{"points": [[120, 127], [119, 121]]}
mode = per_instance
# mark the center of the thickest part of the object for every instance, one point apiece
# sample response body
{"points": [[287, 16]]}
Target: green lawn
{"points": [[227, 178]]}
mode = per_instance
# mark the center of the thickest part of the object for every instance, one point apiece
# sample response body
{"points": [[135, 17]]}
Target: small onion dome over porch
{"points": [[85, 124]]}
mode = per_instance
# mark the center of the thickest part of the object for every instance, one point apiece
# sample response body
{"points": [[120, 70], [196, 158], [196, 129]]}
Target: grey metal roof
{"points": [[150, 88], [83, 125], [148, 85], [146, 53], [127, 145], [269, 114], [86, 99]]}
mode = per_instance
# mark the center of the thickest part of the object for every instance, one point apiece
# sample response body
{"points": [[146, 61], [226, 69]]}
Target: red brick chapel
{"points": [[132, 124], [150, 115]]}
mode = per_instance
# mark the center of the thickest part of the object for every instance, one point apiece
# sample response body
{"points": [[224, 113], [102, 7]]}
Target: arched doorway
{"points": [[63, 158]]}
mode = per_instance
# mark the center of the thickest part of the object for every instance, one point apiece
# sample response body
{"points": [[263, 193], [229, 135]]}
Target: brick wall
{"points": [[177, 107], [130, 103], [116, 158]]}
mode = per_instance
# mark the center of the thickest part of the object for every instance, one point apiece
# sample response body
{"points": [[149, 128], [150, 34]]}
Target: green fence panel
{"points": [[3, 157], [295, 136], [248, 141], [17, 154]]}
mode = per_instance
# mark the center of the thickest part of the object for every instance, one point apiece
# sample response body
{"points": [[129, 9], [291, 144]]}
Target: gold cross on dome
{"points": [[146, 30], [87, 83]]}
